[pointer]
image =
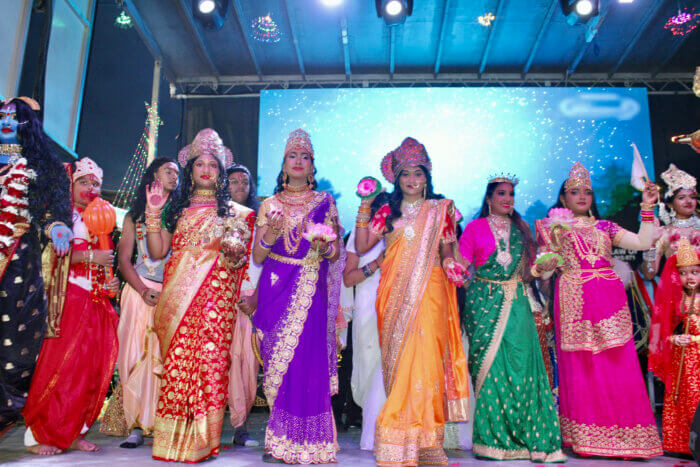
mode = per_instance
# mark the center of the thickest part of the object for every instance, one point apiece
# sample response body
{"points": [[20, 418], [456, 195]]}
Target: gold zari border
{"points": [[294, 453], [410, 446], [616, 441], [292, 327], [515, 454], [187, 440]]}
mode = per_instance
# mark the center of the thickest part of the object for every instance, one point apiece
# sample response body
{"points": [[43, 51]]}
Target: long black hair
{"points": [[50, 190], [280, 177], [181, 198], [562, 194], [251, 201], [397, 196], [138, 207], [529, 245]]}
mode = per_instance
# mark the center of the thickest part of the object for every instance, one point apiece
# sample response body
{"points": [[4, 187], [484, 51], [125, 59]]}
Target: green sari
{"points": [[515, 416]]}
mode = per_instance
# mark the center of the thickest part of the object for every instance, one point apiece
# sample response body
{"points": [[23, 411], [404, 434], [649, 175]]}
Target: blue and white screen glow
{"points": [[469, 133]]}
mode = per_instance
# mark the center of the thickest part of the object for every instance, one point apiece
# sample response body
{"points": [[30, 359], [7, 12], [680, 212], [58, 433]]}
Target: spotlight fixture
{"points": [[211, 13], [331, 3], [394, 12], [580, 11]]}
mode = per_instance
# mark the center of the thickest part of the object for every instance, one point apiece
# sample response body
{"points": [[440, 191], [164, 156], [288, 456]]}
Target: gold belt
{"points": [[508, 282], [287, 260]]}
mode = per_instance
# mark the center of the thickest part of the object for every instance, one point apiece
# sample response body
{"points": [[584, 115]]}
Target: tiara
{"points": [[504, 178]]}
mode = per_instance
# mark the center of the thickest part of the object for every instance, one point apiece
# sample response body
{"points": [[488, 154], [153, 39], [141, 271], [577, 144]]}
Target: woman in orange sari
{"points": [[423, 362], [210, 237]]}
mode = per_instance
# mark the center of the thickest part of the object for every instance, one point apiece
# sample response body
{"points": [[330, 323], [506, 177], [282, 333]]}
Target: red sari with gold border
{"points": [[194, 321]]}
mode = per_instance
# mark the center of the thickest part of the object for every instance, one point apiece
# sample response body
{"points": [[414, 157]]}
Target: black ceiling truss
{"points": [[247, 86]]}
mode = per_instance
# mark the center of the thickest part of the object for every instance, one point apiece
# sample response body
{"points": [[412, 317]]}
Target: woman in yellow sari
{"points": [[210, 240], [423, 362]]}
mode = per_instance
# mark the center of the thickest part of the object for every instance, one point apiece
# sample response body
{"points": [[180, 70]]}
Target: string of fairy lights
{"points": [[139, 160]]}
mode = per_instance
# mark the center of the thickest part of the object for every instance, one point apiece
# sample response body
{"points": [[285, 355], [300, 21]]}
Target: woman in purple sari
{"points": [[298, 296]]}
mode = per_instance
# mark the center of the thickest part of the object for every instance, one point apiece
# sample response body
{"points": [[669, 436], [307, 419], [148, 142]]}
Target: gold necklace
{"points": [[582, 248], [296, 207], [500, 227], [409, 211], [203, 196]]}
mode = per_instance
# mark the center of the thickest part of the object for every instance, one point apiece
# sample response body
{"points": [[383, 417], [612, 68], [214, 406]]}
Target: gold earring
{"points": [[489, 206], [310, 179], [590, 213], [285, 179], [424, 191]]}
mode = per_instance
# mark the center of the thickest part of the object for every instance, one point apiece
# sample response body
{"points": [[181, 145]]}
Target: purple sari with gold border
{"points": [[298, 295]]}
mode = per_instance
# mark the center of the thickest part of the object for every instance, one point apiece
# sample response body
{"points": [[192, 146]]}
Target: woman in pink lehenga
{"points": [[604, 408]]}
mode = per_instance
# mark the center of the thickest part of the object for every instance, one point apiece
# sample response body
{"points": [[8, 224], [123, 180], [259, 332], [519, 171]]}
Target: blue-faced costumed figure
{"points": [[35, 209]]}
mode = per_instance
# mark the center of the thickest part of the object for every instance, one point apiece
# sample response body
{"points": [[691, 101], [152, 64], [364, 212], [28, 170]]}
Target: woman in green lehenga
{"points": [[515, 416]]}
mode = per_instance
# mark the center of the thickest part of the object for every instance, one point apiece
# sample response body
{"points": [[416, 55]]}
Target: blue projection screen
{"points": [[470, 133]]}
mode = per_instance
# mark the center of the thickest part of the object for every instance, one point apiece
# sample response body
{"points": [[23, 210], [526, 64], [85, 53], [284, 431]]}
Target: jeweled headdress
{"points": [[411, 152], [87, 166], [34, 105], [579, 177], [676, 179], [504, 178], [300, 140], [686, 254], [209, 142]]}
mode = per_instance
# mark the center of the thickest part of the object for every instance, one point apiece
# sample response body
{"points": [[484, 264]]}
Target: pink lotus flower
{"points": [[322, 232], [368, 187], [559, 216]]}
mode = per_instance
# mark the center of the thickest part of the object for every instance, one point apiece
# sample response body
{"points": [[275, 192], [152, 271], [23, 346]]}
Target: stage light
{"points": [[393, 7], [625, 1], [394, 12], [211, 13], [206, 6], [579, 11], [584, 7], [331, 2]]}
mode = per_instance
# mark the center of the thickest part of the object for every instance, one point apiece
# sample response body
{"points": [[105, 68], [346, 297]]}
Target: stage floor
{"points": [[12, 452]]}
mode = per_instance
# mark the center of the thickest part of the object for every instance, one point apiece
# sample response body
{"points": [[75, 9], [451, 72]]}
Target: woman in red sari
{"points": [[74, 369], [210, 236]]}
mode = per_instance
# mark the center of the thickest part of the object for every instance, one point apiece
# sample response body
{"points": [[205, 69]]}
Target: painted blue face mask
{"points": [[8, 124]]}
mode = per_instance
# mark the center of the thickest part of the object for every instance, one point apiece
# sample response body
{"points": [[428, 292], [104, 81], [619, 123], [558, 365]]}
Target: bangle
{"points": [[447, 262], [361, 224], [647, 216], [47, 230], [264, 245], [647, 206], [367, 271], [329, 252], [534, 271]]}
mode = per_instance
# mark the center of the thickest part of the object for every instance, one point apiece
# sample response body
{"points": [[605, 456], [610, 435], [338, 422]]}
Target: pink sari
{"points": [[604, 407]]}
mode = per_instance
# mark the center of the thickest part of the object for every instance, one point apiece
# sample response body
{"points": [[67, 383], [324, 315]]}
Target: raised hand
{"points": [[155, 197], [275, 220], [61, 236], [650, 195]]}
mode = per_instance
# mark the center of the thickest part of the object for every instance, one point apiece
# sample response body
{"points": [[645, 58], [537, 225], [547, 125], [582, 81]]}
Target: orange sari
{"points": [[423, 361], [194, 321]]}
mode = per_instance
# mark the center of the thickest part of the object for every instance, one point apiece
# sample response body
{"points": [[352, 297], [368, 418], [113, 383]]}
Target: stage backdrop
{"points": [[470, 133]]}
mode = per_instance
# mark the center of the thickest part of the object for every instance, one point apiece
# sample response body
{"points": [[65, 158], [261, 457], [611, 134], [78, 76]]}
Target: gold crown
{"points": [[504, 178], [677, 179], [686, 254], [578, 177]]}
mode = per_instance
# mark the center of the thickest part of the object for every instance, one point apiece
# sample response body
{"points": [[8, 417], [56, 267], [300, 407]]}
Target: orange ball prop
{"points": [[100, 218]]}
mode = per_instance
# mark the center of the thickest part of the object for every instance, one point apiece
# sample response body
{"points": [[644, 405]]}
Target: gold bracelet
{"points": [[47, 230], [361, 225], [647, 206], [534, 271]]}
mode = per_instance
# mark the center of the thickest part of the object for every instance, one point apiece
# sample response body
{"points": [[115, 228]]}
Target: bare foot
{"points": [[44, 450], [81, 444]]}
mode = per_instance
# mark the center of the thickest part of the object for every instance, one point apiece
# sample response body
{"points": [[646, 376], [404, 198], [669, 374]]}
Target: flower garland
{"points": [[14, 204]]}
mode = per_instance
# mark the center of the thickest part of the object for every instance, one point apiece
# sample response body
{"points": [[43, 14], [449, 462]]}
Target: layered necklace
{"points": [[500, 227], [296, 205], [693, 222], [203, 197], [409, 211]]}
